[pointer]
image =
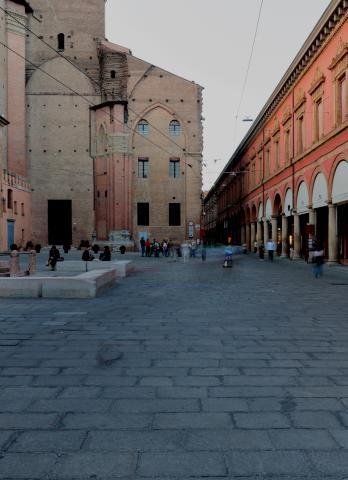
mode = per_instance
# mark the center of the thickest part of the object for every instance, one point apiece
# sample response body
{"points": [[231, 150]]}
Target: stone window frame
{"points": [[174, 167], [267, 158], [260, 164], [339, 70], [143, 127], [300, 111], [317, 92], [143, 167], [287, 129], [175, 128]]}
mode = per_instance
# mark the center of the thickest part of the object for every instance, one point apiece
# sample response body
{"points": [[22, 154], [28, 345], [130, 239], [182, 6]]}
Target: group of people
{"points": [[316, 257], [168, 248], [104, 256], [54, 255]]}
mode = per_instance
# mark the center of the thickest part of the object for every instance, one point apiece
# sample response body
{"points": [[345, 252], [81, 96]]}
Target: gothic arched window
{"points": [[113, 74], [174, 128], [143, 127]]}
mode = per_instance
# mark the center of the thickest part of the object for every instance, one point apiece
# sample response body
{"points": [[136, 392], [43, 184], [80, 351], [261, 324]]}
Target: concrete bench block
{"points": [[20, 287], [86, 285], [123, 267]]}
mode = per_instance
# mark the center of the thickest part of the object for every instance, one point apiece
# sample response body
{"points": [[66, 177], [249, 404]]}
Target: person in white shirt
{"points": [[270, 249]]}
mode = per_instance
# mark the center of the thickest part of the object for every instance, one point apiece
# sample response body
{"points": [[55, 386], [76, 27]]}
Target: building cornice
{"points": [[327, 24]]}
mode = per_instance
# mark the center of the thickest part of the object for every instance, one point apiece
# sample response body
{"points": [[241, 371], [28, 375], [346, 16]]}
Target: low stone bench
{"points": [[123, 267], [85, 285]]}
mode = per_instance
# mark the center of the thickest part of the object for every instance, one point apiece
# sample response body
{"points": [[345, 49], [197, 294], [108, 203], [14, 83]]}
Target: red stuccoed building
{"points": [[288, 178]]}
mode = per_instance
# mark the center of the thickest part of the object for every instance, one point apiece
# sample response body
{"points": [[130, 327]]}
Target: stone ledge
{"points": [[122, 267], [85, 285]]}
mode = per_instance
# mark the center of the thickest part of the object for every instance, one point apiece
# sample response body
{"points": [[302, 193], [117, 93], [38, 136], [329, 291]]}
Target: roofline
{"points": [[321, 31], [167, 71], [27, 6]]}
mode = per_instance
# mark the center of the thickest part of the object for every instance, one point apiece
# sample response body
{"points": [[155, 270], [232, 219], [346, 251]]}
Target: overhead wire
{"points": [[248, 69], [138, 115]]}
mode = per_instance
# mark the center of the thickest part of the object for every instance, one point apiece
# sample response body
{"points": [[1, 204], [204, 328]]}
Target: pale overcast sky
{"points": [[209, 41]]}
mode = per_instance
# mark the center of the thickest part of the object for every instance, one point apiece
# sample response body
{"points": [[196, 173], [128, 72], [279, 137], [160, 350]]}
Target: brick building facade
{"points": [[15, 202], [85, 139], [288, 179]]}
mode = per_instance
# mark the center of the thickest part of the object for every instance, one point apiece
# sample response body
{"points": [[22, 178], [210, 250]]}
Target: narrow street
{"points": [[180, 371]]}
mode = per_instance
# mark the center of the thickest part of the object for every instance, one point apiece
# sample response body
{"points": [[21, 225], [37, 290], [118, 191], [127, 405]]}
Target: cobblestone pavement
{"points": [[181, 371]]}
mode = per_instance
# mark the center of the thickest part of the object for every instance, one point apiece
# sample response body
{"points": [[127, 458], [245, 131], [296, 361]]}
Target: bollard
{"points": [[32, 262], [14, 264]]}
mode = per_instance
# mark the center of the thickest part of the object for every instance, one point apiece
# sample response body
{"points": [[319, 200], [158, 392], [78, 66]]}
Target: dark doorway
{"points": [[59, 222], [342, 225], [322, 228], [303, 236]]}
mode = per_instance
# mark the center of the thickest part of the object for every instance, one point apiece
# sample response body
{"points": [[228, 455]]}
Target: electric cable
{"points": [[248, 68], [92, 104], [138, 115]]}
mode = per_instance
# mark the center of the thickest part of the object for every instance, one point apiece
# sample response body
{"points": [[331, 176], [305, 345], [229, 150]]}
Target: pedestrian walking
{"points": [[270, 249], [165, 248], [318, 261], [185, 251], [147, 247], [142, 246], [255, 246], [204, 253], [261, 251]]}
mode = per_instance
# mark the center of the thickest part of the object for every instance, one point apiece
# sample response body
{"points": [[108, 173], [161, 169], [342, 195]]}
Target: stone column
{"points": [[247, 235], [333, 250], [252, 236], [265, 230], [297, 240], [284, 235], [242, 234], [259, 232], [274, 229]]}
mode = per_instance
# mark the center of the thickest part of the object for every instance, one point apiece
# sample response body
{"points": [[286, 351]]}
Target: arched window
{"points": [[61, 41], [143, 127], [9, 199], [174, 128], [113, 74]]}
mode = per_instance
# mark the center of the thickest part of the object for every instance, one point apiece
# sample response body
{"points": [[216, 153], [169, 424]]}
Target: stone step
{"points": [[3, 275]]}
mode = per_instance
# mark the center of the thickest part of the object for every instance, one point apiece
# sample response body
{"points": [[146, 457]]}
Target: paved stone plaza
{"points": [[180, 371]]}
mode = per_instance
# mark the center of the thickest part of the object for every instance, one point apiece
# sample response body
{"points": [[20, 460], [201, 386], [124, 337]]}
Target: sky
{"points": [[210, 42]]}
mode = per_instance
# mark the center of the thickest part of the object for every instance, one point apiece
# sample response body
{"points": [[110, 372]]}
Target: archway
{"points": [[321, 211], [340, 198], [302, 204], [277, 223]]}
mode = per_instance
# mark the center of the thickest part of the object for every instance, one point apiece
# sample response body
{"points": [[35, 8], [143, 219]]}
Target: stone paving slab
{"points": [[184, 371]]}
